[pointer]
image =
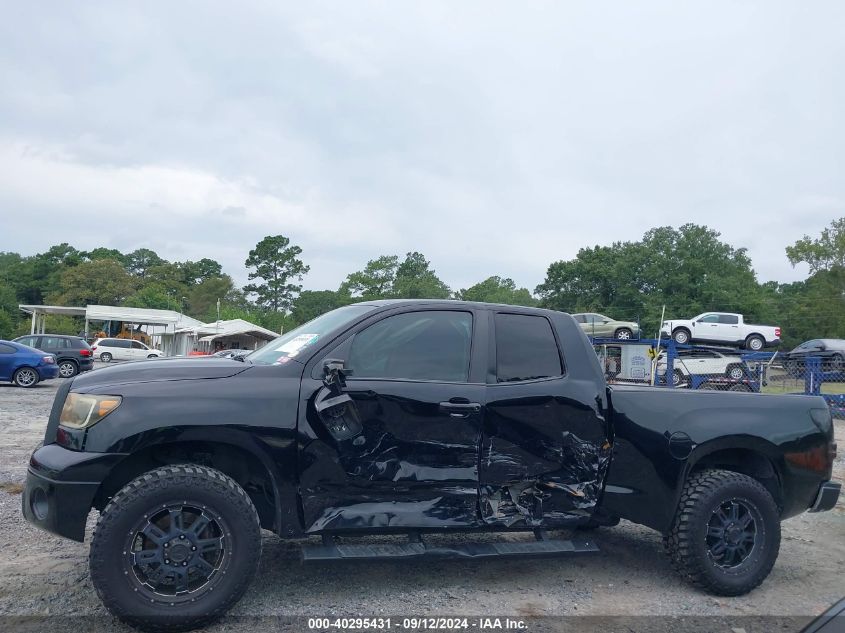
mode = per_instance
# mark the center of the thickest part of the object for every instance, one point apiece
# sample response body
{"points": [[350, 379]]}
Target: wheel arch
{"points": [[748, 458], [251, 469]]}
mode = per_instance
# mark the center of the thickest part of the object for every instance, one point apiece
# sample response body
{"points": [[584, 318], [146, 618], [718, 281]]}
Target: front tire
{"points": [[175, 549], [726, 533], [735, 372], [623, 334], [681, 336]]}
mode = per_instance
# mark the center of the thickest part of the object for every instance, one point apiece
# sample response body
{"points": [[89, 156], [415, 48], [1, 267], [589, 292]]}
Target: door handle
{"points": [[460, 409]]}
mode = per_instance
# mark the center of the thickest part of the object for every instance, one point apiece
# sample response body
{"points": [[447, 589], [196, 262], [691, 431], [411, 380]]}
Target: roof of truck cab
{"points": [[470, 304]]}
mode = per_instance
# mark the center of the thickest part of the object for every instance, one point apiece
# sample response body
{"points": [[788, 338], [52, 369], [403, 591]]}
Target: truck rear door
{"points": [[544, 448]]}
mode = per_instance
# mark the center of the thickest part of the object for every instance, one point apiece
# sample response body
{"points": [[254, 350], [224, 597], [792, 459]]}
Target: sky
{"points": [[493, 137]]}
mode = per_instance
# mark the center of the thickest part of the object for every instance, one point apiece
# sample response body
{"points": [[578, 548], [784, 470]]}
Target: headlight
{"points": [[81, 410]]}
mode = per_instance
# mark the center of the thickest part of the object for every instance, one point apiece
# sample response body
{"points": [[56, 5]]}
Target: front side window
{"points": [[29, 341], [429, 345], [52, 342], [137, 345], [525, 348], [709, 318], [299, 339]]}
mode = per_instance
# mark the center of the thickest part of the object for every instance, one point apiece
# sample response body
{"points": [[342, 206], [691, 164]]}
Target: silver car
{"points": [[600, 326]]}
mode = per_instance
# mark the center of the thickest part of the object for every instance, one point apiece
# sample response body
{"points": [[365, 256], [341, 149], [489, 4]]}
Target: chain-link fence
{"points": [[666, 364]]}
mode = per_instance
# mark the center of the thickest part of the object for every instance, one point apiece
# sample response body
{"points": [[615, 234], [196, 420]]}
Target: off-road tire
{"points": [[106, 357], [685, 543], [111, 573]]}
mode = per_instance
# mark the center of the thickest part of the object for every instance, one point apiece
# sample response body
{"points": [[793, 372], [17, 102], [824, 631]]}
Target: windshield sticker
{"points": [[293, 346]]}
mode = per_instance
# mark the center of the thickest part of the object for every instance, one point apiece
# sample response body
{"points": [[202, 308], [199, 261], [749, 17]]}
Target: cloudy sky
{"points": [[493, 137]]}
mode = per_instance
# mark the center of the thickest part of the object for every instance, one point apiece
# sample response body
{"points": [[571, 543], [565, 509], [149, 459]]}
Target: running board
{"points": [[330, 550]]}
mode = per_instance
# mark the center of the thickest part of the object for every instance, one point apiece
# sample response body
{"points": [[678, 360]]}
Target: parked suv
{"points": [[72, 353], [703, 362], [109, 349]]}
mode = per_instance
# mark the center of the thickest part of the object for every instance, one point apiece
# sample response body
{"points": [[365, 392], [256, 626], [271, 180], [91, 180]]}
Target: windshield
{"points": [[299, 339]]}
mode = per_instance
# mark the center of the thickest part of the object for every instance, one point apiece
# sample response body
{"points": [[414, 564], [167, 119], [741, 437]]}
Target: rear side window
{"points": [[525, 348], [53, 342], [7, 349], [728, 319], [429, 345]]}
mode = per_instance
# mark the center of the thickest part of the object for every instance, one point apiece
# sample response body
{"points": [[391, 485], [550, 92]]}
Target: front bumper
{"points": [[827, 497], [60, 488]]}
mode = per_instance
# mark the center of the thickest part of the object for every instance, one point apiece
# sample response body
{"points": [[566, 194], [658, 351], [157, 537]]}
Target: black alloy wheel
{"points": [[732, 533], [177, 551], [725, 535], [175, 548]]}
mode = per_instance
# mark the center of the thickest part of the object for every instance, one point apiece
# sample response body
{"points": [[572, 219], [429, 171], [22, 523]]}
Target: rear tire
{"points": [[726, 533], [755, 343], [105, 357], [175, 549], [735, 372], [26, 377], [68, 369], [623, 334]]}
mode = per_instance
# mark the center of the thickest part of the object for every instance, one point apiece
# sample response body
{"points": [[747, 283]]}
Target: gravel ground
{"points": [[42, 575]]}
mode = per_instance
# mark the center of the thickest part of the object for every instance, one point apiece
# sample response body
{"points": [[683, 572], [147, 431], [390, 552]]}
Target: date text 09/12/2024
{"points": [[416, 624]]}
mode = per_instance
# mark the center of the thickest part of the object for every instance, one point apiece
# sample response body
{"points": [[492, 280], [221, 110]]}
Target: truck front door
{"points": [[407, 455], [544, 446]]}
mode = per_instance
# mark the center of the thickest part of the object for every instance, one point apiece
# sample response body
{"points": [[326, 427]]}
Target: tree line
{"points": [[688, 270]]}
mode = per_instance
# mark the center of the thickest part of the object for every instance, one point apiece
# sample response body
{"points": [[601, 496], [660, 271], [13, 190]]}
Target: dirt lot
{"points": [[41, 575]]}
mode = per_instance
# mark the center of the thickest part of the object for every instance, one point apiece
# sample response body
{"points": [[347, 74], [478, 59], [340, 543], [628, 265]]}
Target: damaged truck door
{"points": [[410, 460], [544, 453]]}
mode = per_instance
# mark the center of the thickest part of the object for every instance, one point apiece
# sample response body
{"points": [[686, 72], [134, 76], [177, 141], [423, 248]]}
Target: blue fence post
{"points": [[670, 363], [813, 376]]}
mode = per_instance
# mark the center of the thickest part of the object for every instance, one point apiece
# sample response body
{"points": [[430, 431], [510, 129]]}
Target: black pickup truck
{"points": [[411, 417]]}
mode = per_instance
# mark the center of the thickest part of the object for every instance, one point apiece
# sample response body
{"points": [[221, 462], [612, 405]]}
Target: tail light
{"points": [[48, 360], [777, 332], [86, 352]]}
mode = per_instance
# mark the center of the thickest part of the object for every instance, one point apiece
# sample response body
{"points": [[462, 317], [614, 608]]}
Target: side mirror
{"points": [[605, 321], [821, 347], [334, 374]]}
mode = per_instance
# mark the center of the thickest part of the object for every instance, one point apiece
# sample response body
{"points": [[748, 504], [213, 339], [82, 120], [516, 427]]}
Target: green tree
{"points": [[101, 252], [825, 253], [497, 290], [277, 264], [152, 295], [194, 273], [375, 281], [7, 325], [312, 303], [101, 281], [415, 279], [689, 270], [140, 261], [202, 297]]}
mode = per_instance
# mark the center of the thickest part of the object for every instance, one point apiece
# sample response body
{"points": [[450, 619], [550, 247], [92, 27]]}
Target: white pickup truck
{"points": [[722, 327]]}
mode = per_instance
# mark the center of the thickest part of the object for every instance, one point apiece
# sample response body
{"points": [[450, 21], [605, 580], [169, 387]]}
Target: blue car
{"points": [[25, 366]]}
